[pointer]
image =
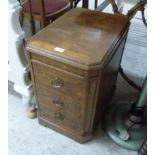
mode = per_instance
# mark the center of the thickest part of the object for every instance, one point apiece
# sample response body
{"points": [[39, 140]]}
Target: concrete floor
{"points": [[27, 137]]}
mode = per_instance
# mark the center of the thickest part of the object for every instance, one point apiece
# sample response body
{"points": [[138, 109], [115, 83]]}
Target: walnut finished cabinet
{"points": [[74, 64]]}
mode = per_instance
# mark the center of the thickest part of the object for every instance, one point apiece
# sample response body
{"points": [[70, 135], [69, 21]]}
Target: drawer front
{"points": [[61, 96], [59, 115], [53, 79], [57, 100]]}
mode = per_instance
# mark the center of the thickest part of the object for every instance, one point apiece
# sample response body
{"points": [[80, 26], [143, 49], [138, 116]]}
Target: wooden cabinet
{"points": [[74, 65]]}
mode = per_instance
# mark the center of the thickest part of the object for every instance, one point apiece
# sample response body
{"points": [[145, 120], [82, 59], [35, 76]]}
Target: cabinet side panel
{"points": [[108, 81], [90, 104]]}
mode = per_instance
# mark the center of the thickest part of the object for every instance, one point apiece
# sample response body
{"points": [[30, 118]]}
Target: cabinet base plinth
{"points": [[73, 135]]}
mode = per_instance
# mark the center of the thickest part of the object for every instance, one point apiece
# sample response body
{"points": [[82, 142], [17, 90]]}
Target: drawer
{"points": [[56, 102], [63, 119], [59, 116], [59, 81]]}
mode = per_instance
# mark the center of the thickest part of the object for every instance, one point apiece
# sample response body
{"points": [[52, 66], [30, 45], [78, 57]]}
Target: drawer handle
{"points": [[57, 82], [58, 116], [56, 101]]}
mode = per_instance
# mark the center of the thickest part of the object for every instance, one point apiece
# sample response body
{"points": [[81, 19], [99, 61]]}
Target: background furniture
{"points": [[143, 149], [74, 75], [45, 11], [74, 3], [18, 70], [126, 122], [117, 6], [85, 4]]}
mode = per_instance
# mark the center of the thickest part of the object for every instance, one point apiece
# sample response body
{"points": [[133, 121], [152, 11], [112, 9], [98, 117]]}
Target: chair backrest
{"points": [[42, 10]]}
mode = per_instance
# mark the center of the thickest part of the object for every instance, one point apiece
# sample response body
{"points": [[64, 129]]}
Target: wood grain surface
{"points": [[74, 87]]}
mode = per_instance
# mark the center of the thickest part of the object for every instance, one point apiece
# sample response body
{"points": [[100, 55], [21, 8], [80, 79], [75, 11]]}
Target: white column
{"points": [[17, 63]]}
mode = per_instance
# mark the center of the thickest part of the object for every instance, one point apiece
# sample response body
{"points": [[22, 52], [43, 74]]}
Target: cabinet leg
{"points": [[32, 24]]}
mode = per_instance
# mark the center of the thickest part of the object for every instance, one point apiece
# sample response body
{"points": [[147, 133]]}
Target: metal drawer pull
{"points": [[56, 101], [58, 116], [57, 82]]}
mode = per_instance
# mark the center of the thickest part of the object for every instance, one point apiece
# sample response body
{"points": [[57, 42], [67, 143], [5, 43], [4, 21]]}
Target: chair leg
{"points": [[85, 4], [40, 25], [32, 26], [71, 3], [96, 3], [43, 23], [76, 3]]}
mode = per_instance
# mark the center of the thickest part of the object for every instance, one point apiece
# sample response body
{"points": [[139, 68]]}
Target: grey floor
{"points": [[27, 137]]}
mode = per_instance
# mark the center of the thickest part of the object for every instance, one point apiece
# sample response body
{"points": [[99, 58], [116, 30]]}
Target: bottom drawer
{"points": [[61, 117]]}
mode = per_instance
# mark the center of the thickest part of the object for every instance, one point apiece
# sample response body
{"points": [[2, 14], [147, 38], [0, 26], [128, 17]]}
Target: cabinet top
{"points": [[80, 37]]}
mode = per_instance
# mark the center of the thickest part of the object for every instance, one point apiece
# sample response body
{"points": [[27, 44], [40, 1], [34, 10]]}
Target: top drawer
{"points": [[60, 81]]}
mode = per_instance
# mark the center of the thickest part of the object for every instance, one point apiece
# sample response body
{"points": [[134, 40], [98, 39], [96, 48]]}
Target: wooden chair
{"points": [[44, 11], [118, 8]]}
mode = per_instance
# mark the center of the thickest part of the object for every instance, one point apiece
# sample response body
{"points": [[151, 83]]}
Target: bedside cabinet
{"points": [[74, 64]]}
